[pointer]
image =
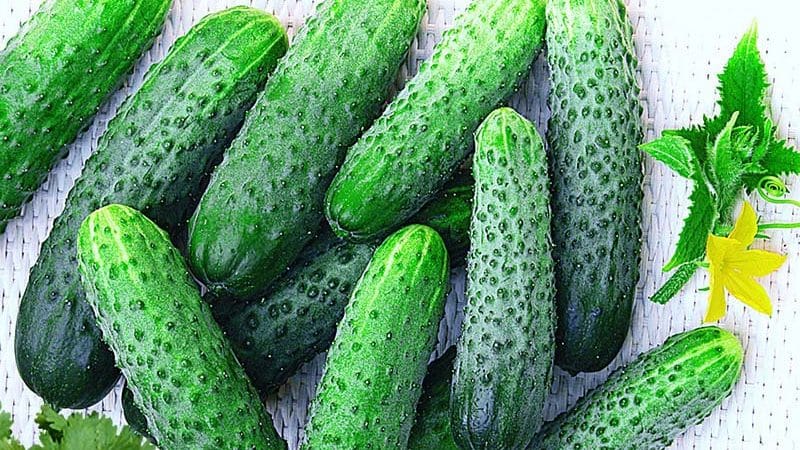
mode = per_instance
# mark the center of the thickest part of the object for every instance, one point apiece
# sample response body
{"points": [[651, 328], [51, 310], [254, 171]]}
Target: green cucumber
{"points": [[597, 178], [373, 375], [411, 151], [65, 61], [658, 396], [505, 356], [183, 374], [431, 429], [274, 336], [133, 415], [155, 157], [264, 202]]}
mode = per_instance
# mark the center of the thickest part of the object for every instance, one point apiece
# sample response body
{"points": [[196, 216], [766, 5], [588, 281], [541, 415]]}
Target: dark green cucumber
{"points": [[155, 157], [377, 362], [274, 336], [183, 374], [65, 61], [264, 202], [658, 396], [597, 178], [133, 415], [431, 429], [505, 356], [411, 151]]}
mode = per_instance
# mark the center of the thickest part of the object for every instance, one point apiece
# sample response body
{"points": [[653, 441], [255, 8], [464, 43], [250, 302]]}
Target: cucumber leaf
{"points": [[674, 151], [743, 85], [696, 227]]}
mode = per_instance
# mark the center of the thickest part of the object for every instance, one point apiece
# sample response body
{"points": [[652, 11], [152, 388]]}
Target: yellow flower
{"points": [[733, 267]]}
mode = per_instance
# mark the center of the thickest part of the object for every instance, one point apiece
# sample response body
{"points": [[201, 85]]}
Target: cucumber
{"points": [[597, 178], [658, 396], [264, 202], [65, 61], [505, 356], [374, 371], [154, 157], [183, 374], [411, 151], [274, 336], [431, 429], [133, 415]]}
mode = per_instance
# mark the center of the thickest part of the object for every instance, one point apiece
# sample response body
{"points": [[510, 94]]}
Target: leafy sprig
{"points": [[76, 432], [727, 153]]}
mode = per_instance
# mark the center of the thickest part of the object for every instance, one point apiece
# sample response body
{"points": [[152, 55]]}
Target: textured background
{"points": [[681, 44]]}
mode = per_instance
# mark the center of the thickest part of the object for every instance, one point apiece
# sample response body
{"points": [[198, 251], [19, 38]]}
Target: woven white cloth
{"points": [[681, 45]]}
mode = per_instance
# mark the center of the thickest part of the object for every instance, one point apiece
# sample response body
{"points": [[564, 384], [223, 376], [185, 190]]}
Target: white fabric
{"points": [[681, 44]]}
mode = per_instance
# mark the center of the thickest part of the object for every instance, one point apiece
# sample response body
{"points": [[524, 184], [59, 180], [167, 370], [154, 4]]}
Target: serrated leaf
{"points": [[726, 165], [674, 151], [79, 432], [696, 227], [7, 441], [675, 283], [744, 83], [697, 138], [781, 159]]}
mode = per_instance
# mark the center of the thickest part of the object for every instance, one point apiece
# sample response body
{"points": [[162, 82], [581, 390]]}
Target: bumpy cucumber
{"points": [[597, 177], [505, 356], [155, 157], [55, 74], [297, 320], [183, 374], [377, 362], [646, 404], [264, 202], [133, 415], [431, 429], [409, 153]]}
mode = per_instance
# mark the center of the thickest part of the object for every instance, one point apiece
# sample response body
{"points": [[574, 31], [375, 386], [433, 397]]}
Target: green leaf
{"points": [[697, 138], [675, 283], [79, 432], [696, 227], [781, 159], [726, 166], [7, 441], [743, 83], [674, 151]]}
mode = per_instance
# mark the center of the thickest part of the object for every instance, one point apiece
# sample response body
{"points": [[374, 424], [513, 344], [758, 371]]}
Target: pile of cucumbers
{"points": [[317, 218]]}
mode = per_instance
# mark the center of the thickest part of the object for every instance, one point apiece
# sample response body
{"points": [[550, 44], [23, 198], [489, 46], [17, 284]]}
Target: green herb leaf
{"points": [[696, 227], [7, 442], [78, 432], [675, 152], [726, 166], [675, 283], [743, 83]]}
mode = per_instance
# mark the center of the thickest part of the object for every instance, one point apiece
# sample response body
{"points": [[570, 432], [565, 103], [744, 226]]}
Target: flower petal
{"points": [[746, 226], [718, 248], [755, 263], [749, 292], [716, 299]]}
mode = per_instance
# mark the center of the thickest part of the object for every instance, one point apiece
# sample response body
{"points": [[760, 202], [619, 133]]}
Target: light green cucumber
{"points": [[593, 136], [426, 132], [652, 400], [181, 370], [264, 202], [375, 367], [54, 75], [505, 356]]}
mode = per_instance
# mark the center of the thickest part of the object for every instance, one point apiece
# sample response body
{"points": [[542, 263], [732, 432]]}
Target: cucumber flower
{"points": [[733, 267]]}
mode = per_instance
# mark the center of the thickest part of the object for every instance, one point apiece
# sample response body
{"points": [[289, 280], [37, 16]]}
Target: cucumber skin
{"points": [[264, 202], [505, 356], [411, 151], [597, 183], [431, 429], [275, 335], [665, 391], [375, 367], [133, 415], [54, 79], [66, 362], [183, 374]]}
